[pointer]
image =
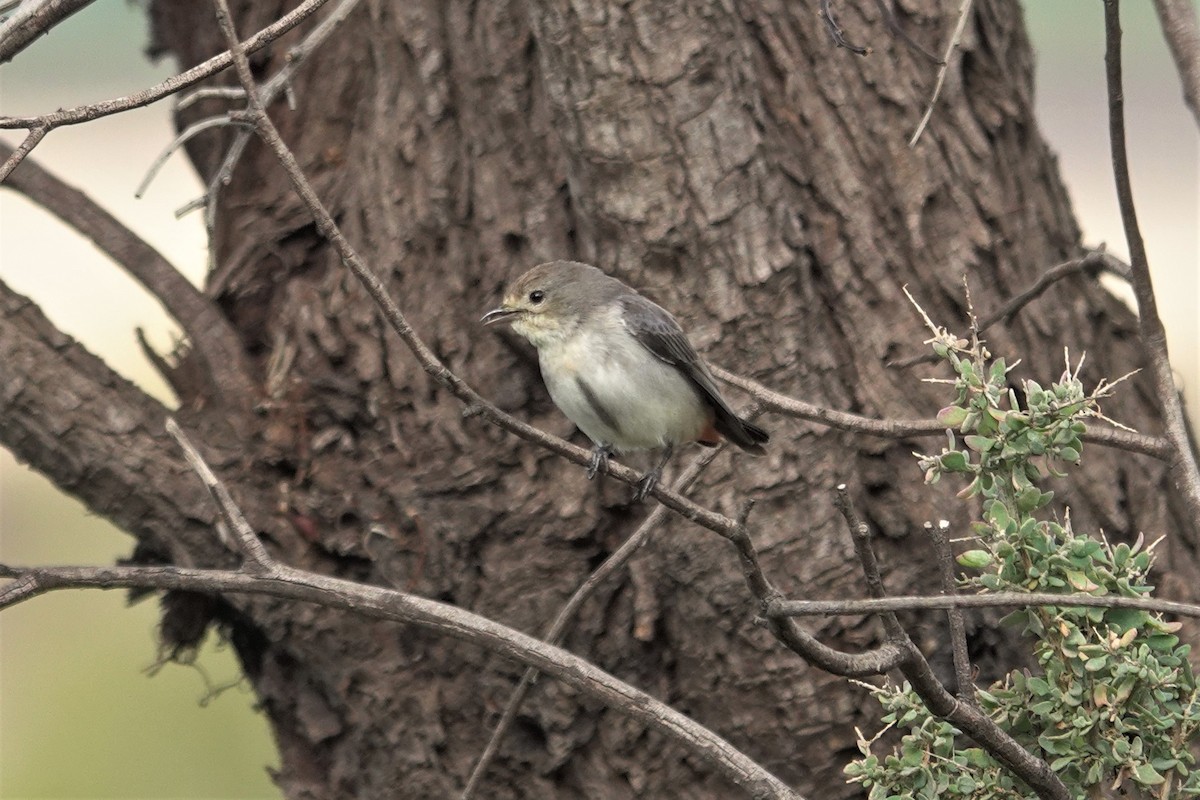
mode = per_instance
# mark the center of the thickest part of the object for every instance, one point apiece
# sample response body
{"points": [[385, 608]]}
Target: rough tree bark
{"points": [[728, 160]]}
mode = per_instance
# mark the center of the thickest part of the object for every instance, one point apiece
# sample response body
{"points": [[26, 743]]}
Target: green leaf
{"points": [[1080, 581], [953, 461], [952, 416], [1147, 775], [975, 559], [997, 513], [980, 444]]}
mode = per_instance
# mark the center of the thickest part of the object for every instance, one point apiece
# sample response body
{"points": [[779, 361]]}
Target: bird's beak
{"points": [[499, 315]]}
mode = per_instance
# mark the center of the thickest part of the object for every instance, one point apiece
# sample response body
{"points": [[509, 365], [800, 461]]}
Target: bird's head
{"points": [[548, 302]]}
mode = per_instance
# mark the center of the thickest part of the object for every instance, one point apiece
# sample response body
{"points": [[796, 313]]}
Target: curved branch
{"points": [[213, 339], [380, 603]]}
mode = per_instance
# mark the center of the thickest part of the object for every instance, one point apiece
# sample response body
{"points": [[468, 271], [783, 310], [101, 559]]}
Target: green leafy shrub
{"points": [[1115, 703]]}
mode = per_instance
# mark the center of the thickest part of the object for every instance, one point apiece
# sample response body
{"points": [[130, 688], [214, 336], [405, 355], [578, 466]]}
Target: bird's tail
{"points": [[742, 432]]}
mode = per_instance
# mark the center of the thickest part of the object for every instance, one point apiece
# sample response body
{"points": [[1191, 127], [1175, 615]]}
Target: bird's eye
{"points": [[537, 296]]}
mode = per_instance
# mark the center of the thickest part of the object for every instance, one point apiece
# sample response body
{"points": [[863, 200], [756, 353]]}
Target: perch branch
{"points": [[428, 361], [1154, 337]]}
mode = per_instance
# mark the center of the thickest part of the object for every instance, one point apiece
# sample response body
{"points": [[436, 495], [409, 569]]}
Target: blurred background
{"points": [[81, 716]]}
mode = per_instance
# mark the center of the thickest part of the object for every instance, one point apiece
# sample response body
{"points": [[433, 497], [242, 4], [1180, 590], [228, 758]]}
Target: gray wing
{"points": [[658, 332]]}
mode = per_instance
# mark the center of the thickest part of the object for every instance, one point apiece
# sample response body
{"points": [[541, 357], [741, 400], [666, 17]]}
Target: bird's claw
{"points": [[599, 462], [646, 485]]}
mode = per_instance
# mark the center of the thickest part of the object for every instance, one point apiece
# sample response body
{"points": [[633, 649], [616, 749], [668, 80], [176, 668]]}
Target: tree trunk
{"points": [[730, 162]]}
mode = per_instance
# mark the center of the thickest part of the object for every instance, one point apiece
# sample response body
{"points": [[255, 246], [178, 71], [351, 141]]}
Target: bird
{"points": [[619, 366]]}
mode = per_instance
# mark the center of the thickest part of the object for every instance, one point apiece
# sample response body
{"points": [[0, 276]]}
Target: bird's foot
{"points": [[646, 485], [599, 462]]}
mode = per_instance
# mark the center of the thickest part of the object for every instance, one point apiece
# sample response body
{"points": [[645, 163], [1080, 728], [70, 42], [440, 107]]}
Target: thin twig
{"points": [[1178, 21], [941, 602], [1183, 468], [1097, 260], [268, 91], [378, 602], [35, 135], [178, 142], [260, 562], [91, 111], [1130, 441], [566, 615], [963, 12], [958, 629]]}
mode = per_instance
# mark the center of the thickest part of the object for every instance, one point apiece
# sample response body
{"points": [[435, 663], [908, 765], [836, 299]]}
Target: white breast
{"points": [[646, 402]]}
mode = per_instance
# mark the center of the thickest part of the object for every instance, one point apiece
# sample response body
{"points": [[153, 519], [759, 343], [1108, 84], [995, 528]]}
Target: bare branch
{"points": [[260, 562], [212, 338], [178, 142], [1179, 27], [32, 19], [1095, 261], [388, 604], [963, 12], [820, 608], [1130, 441], [36, 134], [1183, 468]]}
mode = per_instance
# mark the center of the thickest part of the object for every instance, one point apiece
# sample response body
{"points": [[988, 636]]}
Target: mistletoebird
{"points": [[619, 366]]}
